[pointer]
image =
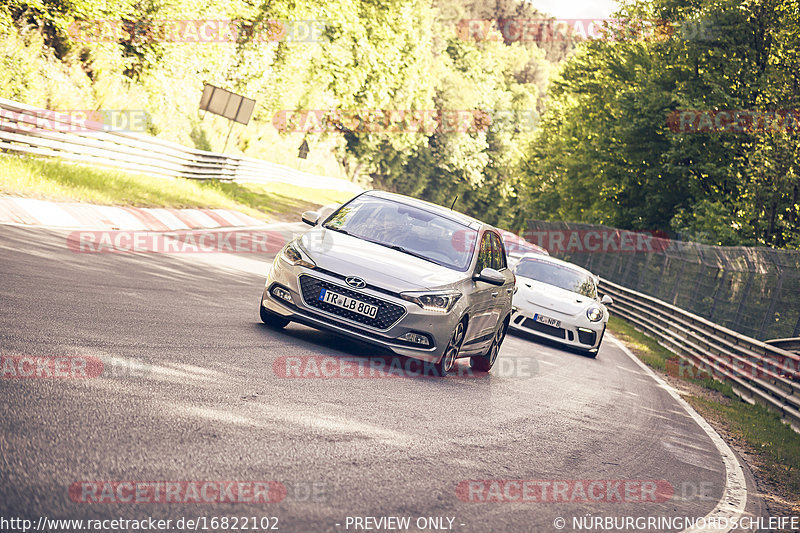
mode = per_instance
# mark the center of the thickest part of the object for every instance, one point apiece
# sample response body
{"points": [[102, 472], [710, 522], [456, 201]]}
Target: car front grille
{"points": [[388, 313], [544, 328]]}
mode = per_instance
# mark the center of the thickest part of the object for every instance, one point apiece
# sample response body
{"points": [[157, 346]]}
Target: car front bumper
{"points": [[438, 327], [575, 330]]}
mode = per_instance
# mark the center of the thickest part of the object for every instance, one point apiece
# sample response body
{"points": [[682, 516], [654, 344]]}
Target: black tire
{"points": [[271, 319], [450, 355], [485, 362]]}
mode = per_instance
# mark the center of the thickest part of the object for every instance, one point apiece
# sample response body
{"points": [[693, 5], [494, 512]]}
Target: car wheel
{"points": [[485, 362], [448, 360], [272, 320]]}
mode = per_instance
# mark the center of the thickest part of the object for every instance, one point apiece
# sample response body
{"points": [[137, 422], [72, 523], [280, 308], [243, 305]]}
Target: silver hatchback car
{"points": [[421, 280]]}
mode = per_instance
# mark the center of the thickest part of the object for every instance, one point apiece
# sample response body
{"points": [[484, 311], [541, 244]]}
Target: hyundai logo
{"points": [[356, 283]]}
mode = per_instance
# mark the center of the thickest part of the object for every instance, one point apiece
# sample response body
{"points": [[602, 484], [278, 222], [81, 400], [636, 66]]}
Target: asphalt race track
{"points": [[194, 389]]}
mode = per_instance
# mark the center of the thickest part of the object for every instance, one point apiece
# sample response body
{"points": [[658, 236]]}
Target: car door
{"points": [[481, 324], [501, 296]]}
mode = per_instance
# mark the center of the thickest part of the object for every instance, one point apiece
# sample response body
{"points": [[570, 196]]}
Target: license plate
{"points": [[345, 302], [547, 320]]}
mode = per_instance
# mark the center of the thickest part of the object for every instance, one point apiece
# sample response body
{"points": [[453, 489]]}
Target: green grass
{"points": [[645, 347], [64, 181], [775, 444], [764, 433]]}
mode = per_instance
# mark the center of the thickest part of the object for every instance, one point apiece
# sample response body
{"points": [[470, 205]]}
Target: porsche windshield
{"points": [[558, 275], [408, 229]]}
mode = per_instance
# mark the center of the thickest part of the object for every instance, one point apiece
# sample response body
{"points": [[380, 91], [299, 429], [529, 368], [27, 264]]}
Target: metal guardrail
{"points": [[30, 130], [790, 345], [757, 371]]}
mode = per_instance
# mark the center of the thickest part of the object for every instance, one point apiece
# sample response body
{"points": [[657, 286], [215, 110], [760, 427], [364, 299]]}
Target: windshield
{"points": [[408, 229], [558, 275]]}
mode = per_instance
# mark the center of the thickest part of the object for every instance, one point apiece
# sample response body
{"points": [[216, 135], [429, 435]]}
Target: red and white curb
{"points": [[29, 211]]}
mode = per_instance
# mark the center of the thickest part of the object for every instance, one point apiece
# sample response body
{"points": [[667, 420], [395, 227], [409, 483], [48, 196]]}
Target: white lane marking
{"points": [[734, 498], [632, 371], [542, 361]]}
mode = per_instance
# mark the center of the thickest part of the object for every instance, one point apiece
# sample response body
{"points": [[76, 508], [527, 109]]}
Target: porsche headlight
{"points": [[439, 301], [594, 314], [292, 255]]}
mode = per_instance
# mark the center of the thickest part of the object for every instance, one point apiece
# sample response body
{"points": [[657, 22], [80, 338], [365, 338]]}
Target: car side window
{"points": [[498, 253], [485, 253]]}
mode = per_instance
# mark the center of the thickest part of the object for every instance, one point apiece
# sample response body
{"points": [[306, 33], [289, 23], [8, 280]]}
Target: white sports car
{"points": [[559, 301]]}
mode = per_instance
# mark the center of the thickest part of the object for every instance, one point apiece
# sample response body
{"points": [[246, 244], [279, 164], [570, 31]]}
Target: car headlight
{"points": [[439, 301], [291, 254], [594, 314]]}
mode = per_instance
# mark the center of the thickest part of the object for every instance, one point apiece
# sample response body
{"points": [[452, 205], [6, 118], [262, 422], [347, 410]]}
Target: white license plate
{"points": [[345, 302], [547, 320]]}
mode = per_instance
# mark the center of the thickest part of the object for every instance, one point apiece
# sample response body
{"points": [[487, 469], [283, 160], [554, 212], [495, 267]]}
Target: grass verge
{"points": [[772, 448], [65, 181]]}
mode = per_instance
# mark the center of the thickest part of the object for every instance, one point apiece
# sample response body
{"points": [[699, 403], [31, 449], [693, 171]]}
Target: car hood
{"points": [[375, 264], [550, 297]]}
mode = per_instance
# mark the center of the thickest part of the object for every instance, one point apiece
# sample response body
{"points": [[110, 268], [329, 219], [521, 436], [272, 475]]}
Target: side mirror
{"points": [[606, 300], [491, 276], [310, 217]]}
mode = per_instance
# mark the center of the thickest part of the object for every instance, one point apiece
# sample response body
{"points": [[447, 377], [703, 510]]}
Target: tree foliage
{"points": [[606, 152]]}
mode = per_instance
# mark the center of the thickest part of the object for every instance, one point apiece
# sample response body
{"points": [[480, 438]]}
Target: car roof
{"points": [[430, 207], [556, 261]]}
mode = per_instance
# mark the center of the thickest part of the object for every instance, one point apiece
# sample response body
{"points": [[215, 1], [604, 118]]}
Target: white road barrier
{"points": [[74, 136]]}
